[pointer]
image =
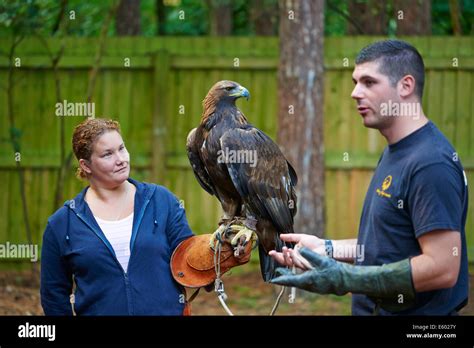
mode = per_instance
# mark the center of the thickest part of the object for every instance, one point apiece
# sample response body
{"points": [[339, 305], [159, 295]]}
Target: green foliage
{"points": [[85, 18], [25, 17], [148, 17], [19, 17], [441, 17], [335, 23], [241, 15], [195, 18], [88, 17]]}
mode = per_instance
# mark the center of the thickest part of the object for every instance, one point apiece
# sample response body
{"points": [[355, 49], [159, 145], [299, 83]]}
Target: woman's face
{"points": [[110, 160]]}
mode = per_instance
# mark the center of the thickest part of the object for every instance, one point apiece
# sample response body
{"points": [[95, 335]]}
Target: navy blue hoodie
{"points": [[75, 246]]}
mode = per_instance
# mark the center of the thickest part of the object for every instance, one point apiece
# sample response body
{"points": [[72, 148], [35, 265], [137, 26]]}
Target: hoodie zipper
{"points": [[103, 240], [132, 243], [124, 273], [136, 227], [133, 238]]}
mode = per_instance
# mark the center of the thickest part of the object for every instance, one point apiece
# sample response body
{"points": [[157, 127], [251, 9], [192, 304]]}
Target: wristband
{"points": [[329, 248]]}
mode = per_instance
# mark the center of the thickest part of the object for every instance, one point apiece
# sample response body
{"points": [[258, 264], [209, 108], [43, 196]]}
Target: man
{"points": [[412, 227]]}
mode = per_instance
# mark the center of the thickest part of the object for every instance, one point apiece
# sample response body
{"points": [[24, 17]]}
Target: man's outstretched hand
{"points": [[289, 257], [323, 276]]}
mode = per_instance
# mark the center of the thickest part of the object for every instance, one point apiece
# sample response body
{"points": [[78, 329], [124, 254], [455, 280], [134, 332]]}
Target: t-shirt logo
{"points": [[385, 185]]}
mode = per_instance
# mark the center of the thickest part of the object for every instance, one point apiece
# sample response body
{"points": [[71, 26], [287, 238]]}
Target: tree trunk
{"points": [[128, 18], [371, 17], [161, 17], [455, 14], [413, 17], [300, 92], [263, 17], [220, 17]]}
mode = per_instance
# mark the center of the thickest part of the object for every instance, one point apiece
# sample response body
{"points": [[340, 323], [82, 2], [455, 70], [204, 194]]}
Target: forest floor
{"points": [[246, 291]]}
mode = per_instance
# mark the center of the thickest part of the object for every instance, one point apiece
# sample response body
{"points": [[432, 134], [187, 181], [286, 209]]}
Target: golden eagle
{"points": [[245, 170]]}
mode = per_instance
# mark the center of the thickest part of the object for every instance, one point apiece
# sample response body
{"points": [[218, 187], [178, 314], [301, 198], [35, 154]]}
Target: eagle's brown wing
{"points": [[266, 185], [193, 145]]}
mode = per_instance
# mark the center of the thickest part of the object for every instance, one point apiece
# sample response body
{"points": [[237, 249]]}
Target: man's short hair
{"points": [[396, 59]]}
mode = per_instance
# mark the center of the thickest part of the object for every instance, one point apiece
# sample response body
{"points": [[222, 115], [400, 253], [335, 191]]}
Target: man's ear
{"points": [[84, 164], [406, 86]]}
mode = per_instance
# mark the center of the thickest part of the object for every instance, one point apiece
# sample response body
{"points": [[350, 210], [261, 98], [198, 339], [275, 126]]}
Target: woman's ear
{"points": [[406, 86], [84, 164]]}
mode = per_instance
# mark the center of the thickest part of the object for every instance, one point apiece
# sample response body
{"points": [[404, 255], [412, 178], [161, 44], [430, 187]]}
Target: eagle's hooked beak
{"points": [[241, 92]]}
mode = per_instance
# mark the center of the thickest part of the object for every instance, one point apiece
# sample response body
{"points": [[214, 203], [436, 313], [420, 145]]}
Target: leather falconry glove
{"points": [[389, 285]]}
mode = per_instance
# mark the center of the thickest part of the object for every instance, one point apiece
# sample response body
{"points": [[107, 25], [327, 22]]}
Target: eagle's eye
{"points": [[229, 88]]}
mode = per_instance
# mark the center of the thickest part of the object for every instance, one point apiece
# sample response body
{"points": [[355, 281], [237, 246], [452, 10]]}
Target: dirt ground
{"points": [[247, 295]]}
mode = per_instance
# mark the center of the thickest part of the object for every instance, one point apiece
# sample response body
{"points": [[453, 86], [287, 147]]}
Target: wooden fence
{"points": [[157, 99]]}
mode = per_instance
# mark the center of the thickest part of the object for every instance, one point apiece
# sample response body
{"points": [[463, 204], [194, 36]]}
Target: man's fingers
{"points": [[278, 257], [299, 260], [287, 257], [282, 258], [291, 237]]}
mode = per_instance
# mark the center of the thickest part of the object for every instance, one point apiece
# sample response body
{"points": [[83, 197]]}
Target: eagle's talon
{"points": [[237, 235], [228, 233], [242, 232], [217, 236]]}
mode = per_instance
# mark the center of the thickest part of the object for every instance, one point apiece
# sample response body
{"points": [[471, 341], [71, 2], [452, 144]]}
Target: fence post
{"points": [[161, 66]]}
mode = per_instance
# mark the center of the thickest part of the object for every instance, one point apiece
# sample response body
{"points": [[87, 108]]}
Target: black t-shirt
{"points": [[419, 186]]}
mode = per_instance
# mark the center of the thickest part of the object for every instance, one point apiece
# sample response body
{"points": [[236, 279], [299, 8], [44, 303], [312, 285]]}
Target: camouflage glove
{"points": [[388, 285]]}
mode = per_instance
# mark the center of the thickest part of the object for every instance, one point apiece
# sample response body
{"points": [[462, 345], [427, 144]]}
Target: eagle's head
{"points": [[228, 91], [224, 94]]}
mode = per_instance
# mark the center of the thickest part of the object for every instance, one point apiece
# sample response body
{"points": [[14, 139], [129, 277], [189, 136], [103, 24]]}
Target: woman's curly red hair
{"points": [[84, 136]]}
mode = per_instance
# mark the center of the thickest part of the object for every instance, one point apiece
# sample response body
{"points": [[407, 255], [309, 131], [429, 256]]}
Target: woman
{"points": [[115, 238]]}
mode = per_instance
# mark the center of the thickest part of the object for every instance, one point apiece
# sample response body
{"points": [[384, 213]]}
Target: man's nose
{"points": [[356, 92]]}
